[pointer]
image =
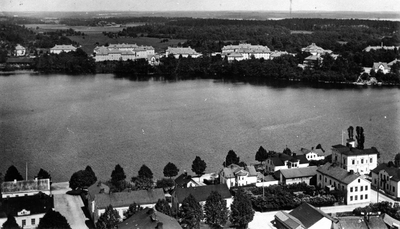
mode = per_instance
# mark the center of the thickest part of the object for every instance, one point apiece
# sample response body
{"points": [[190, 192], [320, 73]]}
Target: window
{"points": [[362, 161], [351, 198], [23, 222], [320, 177], [370, 160], [355, 197], [355, 189], [374, 181], [33, 221], [352, 161], [361, 188], [330, 181], [361, 197], [325, 179], [393, 188], [366, 196], [358, 180], [366, 187], [351, 189]]}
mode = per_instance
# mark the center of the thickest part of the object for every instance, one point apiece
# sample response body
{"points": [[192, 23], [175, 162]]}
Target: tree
{"points": [[53, 220], [145, 172], [166, 184], [190, 213], [81, 179], [350, 131], [142, 183], [133, 208], [43, 174], [215, 210], [199, 166], [397, 160], [90, 173], [12, 174], [231, 158], [242, 212], [360, 137], [117, 175], [261, 155], [163, 206], [109, 219], [287, 151], [11, 223], [170, 170]]}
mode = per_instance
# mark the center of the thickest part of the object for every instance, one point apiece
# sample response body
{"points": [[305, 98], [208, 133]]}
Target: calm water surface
{"points": [[63, 123]]}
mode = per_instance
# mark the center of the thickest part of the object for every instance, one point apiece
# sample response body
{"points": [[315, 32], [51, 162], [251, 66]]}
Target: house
{"points": [[245, 52], [20, 50], [359, 160], [57, 49], [313, 154], [357, 188], [185, 181], [234, 175], [312, 61], [182, 51], [316, 50], [283, 161], [97, 188], [387, 177], [369, 48], [391, 222], [121, 201], [201, 194], [360, 222], [304, 216], [276, 54], [124, 52], [383, 66], [265, 181], [11, 189], [297, 175], [150, 218], [27, 210]]}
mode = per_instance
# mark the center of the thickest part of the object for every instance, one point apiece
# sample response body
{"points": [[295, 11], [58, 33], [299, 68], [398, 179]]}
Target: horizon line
{"points": [[164, 11]]}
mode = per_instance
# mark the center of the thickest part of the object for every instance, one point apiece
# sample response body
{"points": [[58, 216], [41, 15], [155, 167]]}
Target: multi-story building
{"points": [[124, 52], [57, 49], [11, 189], [245, 52], [358, 160], [387, 177], [235, 175], [284, 161], [182, 51], [358, 189]]}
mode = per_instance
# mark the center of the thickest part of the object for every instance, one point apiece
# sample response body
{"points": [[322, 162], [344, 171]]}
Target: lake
{"points": [[63, 123]]}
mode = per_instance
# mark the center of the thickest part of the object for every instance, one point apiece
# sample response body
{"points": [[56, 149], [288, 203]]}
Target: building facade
{"points": [[387, 177], [235, 175], [124, 52], [57, 49], [11, 189], [358, 160], [184, 52], [245, 52]]}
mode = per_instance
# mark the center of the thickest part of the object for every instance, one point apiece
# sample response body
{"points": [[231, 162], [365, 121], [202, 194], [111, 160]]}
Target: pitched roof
{"points": [[355, 222], [149, 218], [393, 171], [314, 48], [353, 151], [201, 193], [279, 159], [19, 47], [288, 220], [338, 173], [36, 204], [378, 64], [391, 221], [26, 186], [182, 51], [97, 188], [393, 62], [308, 215], [299, 172], [63, 47], [120, 199]]}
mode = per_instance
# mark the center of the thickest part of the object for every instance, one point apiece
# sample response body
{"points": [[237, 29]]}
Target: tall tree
{"points": [[350, 132], [145, 172], [43, 174], [170, 170], [215, 210], [166, 184], [360, 137], [90, 173], [11, 223], [12, 174], [53, 220], [261, 155], [163, 206], [109, 219], [231, 158], [190, 213], [242, 212], [117, 175], [199, 166], [397, 160], [82, 179], [142, 183]]}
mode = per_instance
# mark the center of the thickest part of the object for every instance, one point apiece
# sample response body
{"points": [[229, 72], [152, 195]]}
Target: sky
{"points": [[199, 5]]}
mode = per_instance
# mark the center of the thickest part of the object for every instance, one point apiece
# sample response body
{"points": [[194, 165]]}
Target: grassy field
{"points": [[88, 42]]}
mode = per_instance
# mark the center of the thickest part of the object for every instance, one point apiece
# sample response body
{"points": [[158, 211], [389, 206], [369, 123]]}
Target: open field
{"points": [[88, 42]]}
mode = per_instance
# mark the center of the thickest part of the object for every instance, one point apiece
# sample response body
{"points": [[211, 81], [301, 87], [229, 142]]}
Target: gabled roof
{"points": [[97, 188], [120, 199], [308, 215], [182, 51], [393, 171], [201, 193], [279, 159], [354, 151], [63, 47], [26, 186], [378, 64], [19, 47], [299, 172], [36, 204], [288, 220], [149, 218], [393, 62], [338, 173], [391, 222]]}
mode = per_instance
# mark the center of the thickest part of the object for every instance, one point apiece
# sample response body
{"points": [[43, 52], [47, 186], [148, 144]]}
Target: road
{"points": [[69, 206]]}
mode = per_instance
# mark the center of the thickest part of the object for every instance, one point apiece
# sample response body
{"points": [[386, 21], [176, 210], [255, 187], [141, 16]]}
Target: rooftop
{"points": [[354, 151], [338, 173], [149, 218], [36, 204], [63, 47], [299, 172], [393, 171], [120, 199], [25, 186], [308, 215], [182, 51], [201, 193]]}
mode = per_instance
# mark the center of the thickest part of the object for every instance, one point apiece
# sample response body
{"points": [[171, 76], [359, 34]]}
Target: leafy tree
{"points": [[90, 173], [261, 154], [170, 170], [81, 179], [133, 208], [242, 212], [360, 137], [190, 213], [11, 223], [166, 184], [199, 166], [231, 158], [350, 132], [109, 219], [145, 172], [142, 183], [117, 175], [287, 151], [43, 174], [215, 210], [397, 160], [12, 174], [53, 220], [163, 206]]}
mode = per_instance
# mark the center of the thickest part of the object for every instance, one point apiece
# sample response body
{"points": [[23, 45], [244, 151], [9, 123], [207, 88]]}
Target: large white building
{"points": [[358, 189], [387, 177], [57, 49], [11, 189], [245, 52], [359, 160], [124, 52], [182, 51], [234, 175]]}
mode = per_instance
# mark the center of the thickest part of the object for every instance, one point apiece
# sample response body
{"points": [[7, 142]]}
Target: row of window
{"points": [[33, 222], [361, 197], [361, 188], [353, 161]]}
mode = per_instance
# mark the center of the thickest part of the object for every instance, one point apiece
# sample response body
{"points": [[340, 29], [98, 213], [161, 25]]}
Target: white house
{"points": [[11, 189], [182, 51], [20, 50], [304, 216], [121, 201], [234, 175], [312, 155], [297, 175], [283, 161], [57, 49], [316, 50], [124, 52], [245, 52], [358, 189], [359, 160], [387, 177], [383, 66]]}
